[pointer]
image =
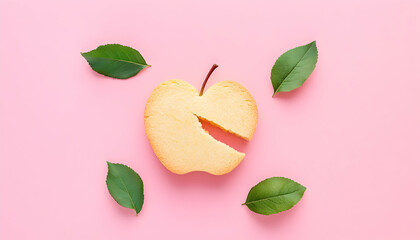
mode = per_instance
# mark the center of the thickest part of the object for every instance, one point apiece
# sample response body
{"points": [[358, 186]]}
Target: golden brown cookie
{"points": [[175, 133]]}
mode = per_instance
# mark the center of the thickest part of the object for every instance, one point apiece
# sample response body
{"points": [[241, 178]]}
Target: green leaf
{"points": [[274, 195], [125, 186], [293, 67], [115, 60]]}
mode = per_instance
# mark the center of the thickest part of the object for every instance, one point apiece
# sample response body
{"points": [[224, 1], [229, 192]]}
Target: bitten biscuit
{"points": [[175, 133]]}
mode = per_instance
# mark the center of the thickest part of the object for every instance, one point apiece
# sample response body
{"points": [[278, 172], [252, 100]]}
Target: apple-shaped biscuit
{"points": [[175, 133]]}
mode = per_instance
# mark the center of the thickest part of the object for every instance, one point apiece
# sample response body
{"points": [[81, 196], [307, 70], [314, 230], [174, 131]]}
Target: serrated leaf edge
{"points": [[126, 190], [116, 44], [313, 43]]}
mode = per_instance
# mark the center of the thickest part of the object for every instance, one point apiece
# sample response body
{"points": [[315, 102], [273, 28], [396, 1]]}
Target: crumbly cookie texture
{"points": [[175, 133]]}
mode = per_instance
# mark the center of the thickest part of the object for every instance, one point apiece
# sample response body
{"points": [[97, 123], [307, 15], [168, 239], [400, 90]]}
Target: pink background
{"points": [[351, 134]]}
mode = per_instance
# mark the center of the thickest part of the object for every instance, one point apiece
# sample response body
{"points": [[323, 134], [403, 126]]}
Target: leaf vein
{"points": [[126, 190], [121, 60], [270, 198], [288, 74]]}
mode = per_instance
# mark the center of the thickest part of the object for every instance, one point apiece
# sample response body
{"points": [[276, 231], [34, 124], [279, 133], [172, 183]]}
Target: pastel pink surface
{"points": [[350, 134]]}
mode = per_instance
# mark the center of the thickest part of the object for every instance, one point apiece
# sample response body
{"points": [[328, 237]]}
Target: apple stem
{"points": [[207, 78]]}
